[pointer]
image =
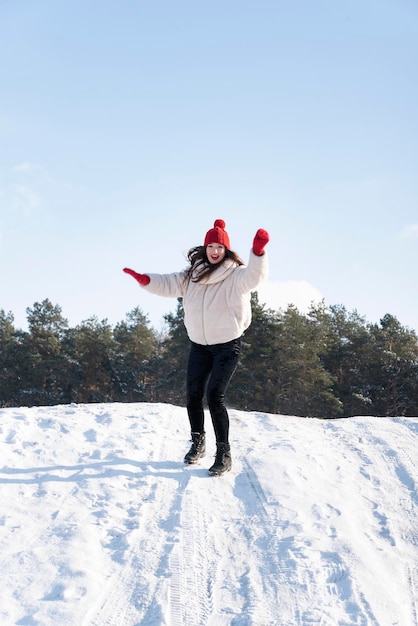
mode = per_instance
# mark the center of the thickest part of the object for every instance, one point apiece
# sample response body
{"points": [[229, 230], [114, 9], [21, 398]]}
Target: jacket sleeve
{"points": [[251, 276], [167, 285]]}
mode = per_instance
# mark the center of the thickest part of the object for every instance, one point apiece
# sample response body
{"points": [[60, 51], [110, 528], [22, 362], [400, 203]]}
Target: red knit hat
{"points": [[218, 234]]}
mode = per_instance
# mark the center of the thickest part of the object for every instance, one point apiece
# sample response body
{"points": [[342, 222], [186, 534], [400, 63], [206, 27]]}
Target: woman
{"points": [[216, 291]]}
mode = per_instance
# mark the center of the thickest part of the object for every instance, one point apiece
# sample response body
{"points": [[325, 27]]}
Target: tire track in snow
{"points": [[411, 576], [190, 564], [206, 570]]}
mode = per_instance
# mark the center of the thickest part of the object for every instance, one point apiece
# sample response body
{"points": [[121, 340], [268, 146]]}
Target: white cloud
{"points": [[24, 199], [22, 189], [410, 231], [26, 168], [278, 295]]}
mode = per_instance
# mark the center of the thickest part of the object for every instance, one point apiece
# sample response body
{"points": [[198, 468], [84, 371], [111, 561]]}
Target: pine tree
{"points": [[170, 363], [254, 383], [136, 345], [345, 354], [307, 385], [47, 367], [393, 368], [8, 360], [93, 349]]}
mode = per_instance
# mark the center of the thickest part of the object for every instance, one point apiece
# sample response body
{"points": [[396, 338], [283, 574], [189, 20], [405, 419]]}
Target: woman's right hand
{"points": [[143, 279]]}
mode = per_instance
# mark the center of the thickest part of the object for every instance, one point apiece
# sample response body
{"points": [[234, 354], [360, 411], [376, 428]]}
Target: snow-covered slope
{"points": [[101, 524]]}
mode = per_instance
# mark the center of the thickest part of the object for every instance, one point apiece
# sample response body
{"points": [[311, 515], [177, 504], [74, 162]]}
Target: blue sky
{"points": [[127, 128]]}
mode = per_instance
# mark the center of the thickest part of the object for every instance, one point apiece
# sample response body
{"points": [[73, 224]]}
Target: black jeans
{"points": [[215, 366]]}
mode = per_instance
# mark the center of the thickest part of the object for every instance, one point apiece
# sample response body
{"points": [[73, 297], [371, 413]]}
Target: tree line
{"points": [[327, 363]]}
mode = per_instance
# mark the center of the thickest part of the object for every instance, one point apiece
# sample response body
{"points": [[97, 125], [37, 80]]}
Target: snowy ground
{"points": [[101, 524]]}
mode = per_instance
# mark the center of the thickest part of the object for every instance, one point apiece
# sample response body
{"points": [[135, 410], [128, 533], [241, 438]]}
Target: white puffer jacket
{"points": [[217, 309]]}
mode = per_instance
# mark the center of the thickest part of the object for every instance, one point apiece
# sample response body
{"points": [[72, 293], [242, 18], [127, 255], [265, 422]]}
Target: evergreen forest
{"points": [[327, 363]]}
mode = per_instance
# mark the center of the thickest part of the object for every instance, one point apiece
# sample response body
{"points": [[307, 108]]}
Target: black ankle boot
{"points": [[197, 450], [223, 461]]}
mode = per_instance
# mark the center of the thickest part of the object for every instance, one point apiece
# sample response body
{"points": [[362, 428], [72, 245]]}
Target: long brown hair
{"points": [[200, 266]]}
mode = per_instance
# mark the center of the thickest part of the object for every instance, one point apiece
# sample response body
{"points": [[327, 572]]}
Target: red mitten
{"points": [[143, 279], [261, 239]]}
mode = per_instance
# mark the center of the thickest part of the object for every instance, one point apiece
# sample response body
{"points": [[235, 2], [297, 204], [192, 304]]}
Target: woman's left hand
{"points": [[261, 239]]}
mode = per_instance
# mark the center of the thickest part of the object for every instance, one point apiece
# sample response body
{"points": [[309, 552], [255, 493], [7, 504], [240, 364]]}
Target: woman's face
{"points": [[215, 252]]}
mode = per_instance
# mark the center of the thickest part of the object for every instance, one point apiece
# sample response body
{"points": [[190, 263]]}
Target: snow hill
{"points": [[101, 524]]}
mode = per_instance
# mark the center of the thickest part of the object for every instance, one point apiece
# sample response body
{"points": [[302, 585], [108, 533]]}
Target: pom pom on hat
{"points": [[218, 234]]}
